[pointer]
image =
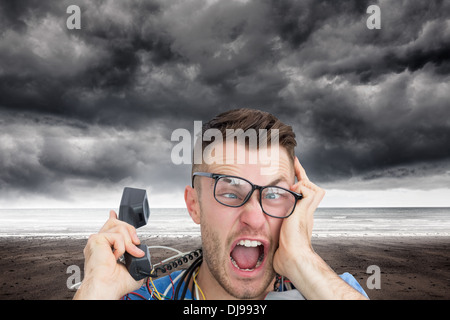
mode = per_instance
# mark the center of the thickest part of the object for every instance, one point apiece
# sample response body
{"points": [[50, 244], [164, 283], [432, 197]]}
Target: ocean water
{"points": [[328, 222]]}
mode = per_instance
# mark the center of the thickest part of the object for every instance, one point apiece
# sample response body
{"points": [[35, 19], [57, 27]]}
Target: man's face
{"points": [[239, 243]]}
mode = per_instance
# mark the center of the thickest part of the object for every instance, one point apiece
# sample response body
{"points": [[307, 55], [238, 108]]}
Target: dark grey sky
{"points": [[84, 113]]}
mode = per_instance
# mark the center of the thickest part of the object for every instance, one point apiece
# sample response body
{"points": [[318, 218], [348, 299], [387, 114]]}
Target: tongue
{"points": [[245, 257]]}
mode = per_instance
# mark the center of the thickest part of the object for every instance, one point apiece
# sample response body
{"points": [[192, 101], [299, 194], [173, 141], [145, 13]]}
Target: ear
{"points": [[192, 204]]}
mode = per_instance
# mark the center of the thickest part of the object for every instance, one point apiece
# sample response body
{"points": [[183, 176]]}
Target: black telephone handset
{"points": [[135, 211]]}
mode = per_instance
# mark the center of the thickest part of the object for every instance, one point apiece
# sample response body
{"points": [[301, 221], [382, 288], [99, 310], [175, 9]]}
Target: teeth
{"points": [[249, 243]]}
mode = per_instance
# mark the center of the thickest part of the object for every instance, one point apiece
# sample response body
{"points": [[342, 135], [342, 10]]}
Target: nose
{"points": [[252, 214]]}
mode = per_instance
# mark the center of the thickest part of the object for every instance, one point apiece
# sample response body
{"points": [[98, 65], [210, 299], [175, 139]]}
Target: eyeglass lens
{"points": [[234, 192]]}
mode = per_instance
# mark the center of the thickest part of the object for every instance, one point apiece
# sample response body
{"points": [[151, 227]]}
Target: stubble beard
{"points": [[217, 258]]}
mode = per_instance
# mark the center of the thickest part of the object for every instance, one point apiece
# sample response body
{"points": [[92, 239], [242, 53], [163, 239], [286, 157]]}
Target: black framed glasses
{"points": [[232, 191]]}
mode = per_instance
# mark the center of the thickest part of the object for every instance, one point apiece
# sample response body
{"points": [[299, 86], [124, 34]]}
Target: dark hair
{"points": [[245, 119]]}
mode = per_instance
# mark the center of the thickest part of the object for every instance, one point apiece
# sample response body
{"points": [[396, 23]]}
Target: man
{"points": [[255, 223]]}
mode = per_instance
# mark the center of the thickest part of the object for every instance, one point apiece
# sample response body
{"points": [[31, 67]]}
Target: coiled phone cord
{"points": [[178, 262]]}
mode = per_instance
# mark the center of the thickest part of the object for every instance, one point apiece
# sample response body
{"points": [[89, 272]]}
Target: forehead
{"points": [[260, 166]]}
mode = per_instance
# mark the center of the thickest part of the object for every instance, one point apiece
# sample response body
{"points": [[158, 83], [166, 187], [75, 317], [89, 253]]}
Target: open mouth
{"points": [[247, 255]]}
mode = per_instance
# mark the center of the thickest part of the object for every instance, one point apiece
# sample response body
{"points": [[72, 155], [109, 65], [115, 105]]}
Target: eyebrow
{"points": [[272, 183], [278, 180]]}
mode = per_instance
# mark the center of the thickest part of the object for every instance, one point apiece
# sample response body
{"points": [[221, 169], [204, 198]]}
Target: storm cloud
{"points": [[95, 107]]}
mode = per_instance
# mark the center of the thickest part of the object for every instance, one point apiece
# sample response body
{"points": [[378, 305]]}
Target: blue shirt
{"points": [[165, 288]]}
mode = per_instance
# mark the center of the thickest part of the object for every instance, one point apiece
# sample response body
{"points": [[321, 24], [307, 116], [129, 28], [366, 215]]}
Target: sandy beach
{"points": [[411, 267]]}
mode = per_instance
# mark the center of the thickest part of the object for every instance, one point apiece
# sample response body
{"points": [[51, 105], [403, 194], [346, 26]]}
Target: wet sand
{"points": [[410, 267]]}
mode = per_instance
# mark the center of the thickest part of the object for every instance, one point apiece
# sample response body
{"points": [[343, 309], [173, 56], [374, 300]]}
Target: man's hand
{"points": [[295, 257], [104, 277], [296, 231]]}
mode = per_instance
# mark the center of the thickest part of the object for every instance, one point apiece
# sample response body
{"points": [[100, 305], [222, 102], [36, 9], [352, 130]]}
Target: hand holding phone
{"points": [[104, 277]]}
